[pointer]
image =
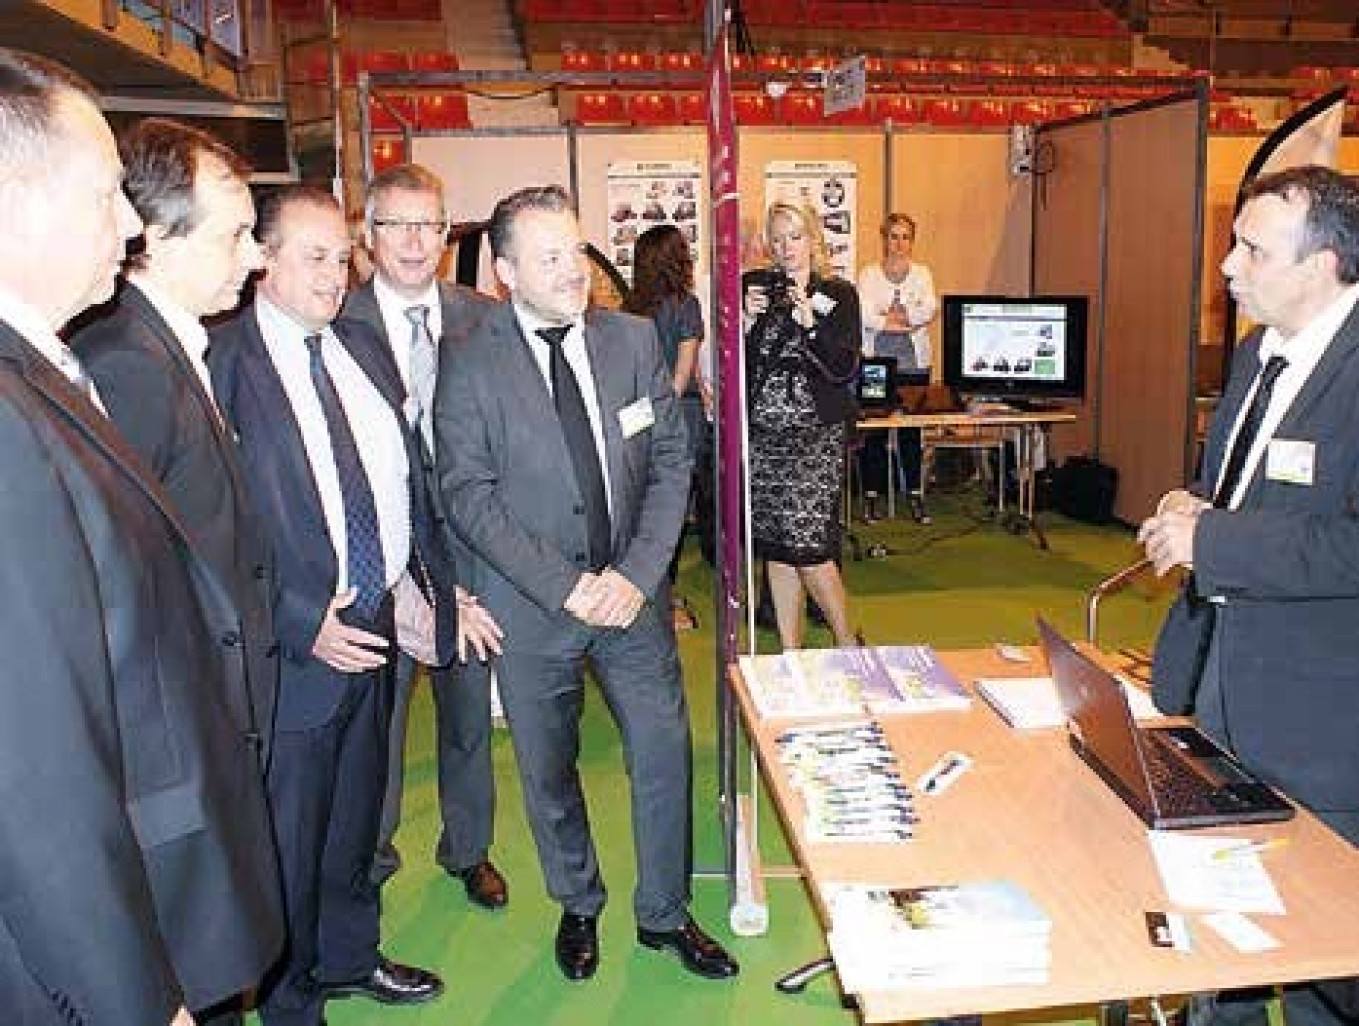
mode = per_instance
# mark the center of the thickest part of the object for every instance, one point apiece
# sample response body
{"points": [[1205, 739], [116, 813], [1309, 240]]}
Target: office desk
{"points": [[975, 429], [1030, 811]]}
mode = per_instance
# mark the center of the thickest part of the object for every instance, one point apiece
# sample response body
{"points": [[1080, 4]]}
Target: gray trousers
{"points": [[639, 674], [462, 724]]}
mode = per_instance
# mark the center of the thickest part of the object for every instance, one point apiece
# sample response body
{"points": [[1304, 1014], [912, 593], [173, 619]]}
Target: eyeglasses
{"points": [[398, 226]]}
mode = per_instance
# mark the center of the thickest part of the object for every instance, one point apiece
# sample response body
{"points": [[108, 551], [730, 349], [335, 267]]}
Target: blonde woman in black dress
{"points": [[802, 334]]}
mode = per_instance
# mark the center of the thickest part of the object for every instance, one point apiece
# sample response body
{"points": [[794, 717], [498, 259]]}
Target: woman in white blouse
{"points": [[898, 304]]}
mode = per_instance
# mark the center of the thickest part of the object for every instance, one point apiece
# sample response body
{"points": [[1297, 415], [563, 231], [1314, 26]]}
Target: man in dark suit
{"points": [[405, 228], [1262, 645], [146, 356], [563, 464], [334, 469], [134, 836]]}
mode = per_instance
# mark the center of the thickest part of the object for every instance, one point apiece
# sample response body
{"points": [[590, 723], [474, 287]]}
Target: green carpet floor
{"points": [[963, 581]]}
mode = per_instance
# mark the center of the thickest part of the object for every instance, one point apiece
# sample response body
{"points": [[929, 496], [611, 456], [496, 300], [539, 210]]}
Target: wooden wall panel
{"points": [[1150, 321], [1066, 250]]}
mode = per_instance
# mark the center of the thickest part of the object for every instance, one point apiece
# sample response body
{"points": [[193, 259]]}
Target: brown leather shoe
{"points": [[485, 886]]}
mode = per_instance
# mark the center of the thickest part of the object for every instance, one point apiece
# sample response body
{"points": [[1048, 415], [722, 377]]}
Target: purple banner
{"points": [[729, 345]]}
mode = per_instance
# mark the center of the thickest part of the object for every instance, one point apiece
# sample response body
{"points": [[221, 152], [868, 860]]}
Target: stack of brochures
{"points": [[849, 782], [984, 933], [1032, 702], [848, 681]]}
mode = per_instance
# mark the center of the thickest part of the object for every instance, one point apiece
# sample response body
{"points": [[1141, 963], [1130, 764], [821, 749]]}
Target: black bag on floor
{"points": [[1084, 489]]}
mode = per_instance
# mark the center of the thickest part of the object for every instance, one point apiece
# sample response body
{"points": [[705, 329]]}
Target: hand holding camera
{"points": [[775, 291]]}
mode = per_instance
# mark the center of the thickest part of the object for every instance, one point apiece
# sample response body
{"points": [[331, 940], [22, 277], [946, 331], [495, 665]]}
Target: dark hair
{"points": [[406, 177], [277, 203], [1332, 219], [29, 87], [662, 267], [161, 159], [550, 198], [892, 220]]}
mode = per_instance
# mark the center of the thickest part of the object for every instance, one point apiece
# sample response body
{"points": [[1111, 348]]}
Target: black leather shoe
{"points": [[577, 946], [391, 984], [698, 952], [485, 886]]}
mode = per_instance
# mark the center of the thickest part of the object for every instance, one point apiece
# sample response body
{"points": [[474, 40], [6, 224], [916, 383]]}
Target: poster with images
{"points": [[829, 187], [645, 193]]}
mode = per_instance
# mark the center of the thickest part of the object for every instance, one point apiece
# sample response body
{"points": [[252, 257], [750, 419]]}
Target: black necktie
{"points": [[363, 542], [580, 443], [1250, 427]]}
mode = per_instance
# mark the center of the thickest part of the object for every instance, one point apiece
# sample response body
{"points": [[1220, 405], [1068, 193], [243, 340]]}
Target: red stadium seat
{"points": [[802, 108], [632, 60], [653, 109], [754, 109], [583, 60], [442, 111], [693, 109], [897, 108], [601, 108], [380, 114], [950, 113], [434, 60], [387, 153], [989, 113]]}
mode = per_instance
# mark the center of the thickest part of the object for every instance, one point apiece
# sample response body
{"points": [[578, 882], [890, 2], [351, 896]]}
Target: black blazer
{"points": [[833, 342], [1287, 563], [139, 870], [155, 396], [279, 475]]}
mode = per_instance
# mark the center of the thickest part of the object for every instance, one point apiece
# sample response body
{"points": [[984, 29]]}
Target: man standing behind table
{"points": [[334, 467], [134, 838], [146, 356], [405, 226], [1262, 645], [563, 464]]}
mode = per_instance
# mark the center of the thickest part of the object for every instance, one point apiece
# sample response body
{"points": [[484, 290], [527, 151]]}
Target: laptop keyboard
{"points": [[1178, 789]]}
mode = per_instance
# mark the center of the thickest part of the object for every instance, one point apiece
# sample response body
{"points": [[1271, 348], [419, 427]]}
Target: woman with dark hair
{"points": [[663, 290], [802, 332]]}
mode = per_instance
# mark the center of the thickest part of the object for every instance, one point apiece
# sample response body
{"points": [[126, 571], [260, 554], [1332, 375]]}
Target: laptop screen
{"points": [[1097, 711]]}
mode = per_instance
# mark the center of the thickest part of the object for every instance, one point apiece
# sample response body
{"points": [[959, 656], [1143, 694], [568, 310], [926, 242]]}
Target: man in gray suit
{"points": [[146, 354], [405, 227], [563, 464], [1263, 644], [139, 870]]}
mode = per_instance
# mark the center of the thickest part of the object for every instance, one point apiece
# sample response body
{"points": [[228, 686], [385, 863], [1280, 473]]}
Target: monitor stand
{"points": [[1032, 405]]}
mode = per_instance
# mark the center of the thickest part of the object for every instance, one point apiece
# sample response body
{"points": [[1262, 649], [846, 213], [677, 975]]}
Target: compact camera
{"points": [[778, 286]]}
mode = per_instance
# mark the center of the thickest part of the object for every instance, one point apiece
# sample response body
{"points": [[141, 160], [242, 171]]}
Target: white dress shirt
{"points": [[393, 308], [187, 329], [35, 330], [377, 433], [573, 347], [1303, 351]]}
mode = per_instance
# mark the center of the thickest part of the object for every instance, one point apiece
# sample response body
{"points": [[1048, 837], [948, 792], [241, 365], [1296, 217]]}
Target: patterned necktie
{"points": [[424, 366], [363, 542], [580, 443], [1250, 427]]}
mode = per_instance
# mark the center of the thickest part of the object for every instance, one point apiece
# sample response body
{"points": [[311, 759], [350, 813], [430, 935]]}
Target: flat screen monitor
{"points": [[1012, 348], [876, 384]]}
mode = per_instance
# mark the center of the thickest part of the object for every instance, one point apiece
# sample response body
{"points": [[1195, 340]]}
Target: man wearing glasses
{"points": [[405, 228]]}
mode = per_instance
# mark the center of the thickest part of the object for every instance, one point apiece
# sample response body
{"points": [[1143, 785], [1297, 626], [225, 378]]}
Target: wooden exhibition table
{"points": [[989, 428], [1030, 811]]}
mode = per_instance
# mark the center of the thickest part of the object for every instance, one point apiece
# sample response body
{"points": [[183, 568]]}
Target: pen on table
{"points": [[949, 767], [1237, 851]]}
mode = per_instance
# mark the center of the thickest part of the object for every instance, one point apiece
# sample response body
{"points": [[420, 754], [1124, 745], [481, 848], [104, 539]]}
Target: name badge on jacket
{"points": [[1290, 461], [636, 417]]}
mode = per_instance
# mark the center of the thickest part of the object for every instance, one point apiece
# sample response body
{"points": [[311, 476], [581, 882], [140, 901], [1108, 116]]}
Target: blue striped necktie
{"points": [[363, 541]]}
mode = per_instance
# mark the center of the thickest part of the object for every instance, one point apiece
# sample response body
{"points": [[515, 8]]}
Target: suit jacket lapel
{"points": [[259, 369], [1325, 374], [174, 348], [77, 408]]}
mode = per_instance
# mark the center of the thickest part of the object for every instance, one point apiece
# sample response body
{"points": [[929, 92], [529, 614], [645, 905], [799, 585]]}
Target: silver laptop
{"points": [[1172, 777]]}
